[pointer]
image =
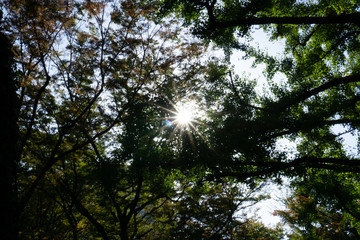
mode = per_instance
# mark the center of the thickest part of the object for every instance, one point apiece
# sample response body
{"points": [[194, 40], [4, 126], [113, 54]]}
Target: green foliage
{"points": [[320, 94], [97, 79], [323, 211], [211, 211]]}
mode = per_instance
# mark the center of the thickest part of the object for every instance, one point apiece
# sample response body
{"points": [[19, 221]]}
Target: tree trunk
{"points": [[8, 144], [123, 229]]}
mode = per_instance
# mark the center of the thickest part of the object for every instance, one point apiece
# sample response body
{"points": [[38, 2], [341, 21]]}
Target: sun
{"points": [[184, 115], [184, 120]]}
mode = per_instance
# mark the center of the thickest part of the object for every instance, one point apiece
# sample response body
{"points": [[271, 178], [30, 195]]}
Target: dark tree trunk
{"points": [[8, 144], [123, 229]]}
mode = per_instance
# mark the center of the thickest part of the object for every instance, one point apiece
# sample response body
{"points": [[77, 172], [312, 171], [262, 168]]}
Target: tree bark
{"points": [[8, 144]]}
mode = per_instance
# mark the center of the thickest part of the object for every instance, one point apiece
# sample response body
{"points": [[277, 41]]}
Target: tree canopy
{"points": [[320, 63], [94, 89]]}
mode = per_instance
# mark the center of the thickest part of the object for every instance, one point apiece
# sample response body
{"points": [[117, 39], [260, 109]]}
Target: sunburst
{"points": [[183, 116]]}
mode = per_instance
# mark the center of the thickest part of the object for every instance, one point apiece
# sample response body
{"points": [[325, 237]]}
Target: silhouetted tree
{"points": [[8, 142]]}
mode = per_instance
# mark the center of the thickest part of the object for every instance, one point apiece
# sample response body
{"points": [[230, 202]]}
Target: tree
{"points": [[82, 70], [218, 211], [320, 63], [323, 211], [219, 20], [8, 142], [96, 77], [321, 90], [95, 160]]}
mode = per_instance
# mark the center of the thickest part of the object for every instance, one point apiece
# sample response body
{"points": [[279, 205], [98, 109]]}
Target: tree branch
{"points": [[91, 219], [338, 19], [335, 164], [242, 102], [302, 125], [302, 96], [35, 106]]}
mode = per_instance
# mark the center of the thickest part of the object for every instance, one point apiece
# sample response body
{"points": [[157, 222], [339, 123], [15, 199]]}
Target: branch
{"points": [[91, 219], [53, 159], [306, 125], [338, 19], [42, 89], [35, 106], [136, 199], [119, 215], [302, 96], [335, 164], [242, 102]]}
